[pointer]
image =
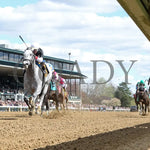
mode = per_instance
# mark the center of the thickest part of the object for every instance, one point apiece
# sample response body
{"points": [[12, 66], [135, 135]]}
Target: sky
{"points": [[89, 30]]}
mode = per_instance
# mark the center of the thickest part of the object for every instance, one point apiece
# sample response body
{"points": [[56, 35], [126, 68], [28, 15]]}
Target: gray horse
{"points": [[35, 84]]}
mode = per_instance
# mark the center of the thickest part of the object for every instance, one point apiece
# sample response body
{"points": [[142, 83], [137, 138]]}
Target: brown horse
{"points": [[59, 96], [144, 102], [62, 97]]}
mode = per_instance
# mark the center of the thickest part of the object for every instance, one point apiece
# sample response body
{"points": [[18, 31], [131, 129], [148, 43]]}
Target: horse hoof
{"points": [[30, 113]]}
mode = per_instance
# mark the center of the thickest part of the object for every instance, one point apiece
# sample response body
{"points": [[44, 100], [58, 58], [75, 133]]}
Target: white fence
{"points": [[25, 108]]}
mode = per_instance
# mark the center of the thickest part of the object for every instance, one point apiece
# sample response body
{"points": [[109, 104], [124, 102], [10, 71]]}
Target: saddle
{"points": [[43, 68]]}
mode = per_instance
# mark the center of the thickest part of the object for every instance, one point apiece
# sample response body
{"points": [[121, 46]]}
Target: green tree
{"points": [[124, 94]]}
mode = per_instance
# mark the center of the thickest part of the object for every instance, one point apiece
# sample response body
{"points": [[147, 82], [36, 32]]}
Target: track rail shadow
{"points": [[116, 140]]}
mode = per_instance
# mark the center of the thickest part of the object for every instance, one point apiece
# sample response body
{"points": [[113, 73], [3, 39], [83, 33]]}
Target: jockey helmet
{"points": [[142, 82], [39, 52], [56, 75]]}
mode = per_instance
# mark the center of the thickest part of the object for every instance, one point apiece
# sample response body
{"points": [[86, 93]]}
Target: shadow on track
{"points": [[136, 137]]}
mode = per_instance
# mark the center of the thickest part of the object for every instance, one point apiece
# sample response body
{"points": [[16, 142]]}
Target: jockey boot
{"points": [[64, 89], [137, 99]]}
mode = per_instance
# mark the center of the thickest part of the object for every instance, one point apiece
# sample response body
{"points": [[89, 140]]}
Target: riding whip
{"points": [[23, 41]]}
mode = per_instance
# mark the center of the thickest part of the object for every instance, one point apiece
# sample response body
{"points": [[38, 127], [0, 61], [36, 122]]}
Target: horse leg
{"points": [[27, 101], [57, 105], [47, 105], [63, 105], [140, 108], [143, 109], [137, 106], [66, 102], [146, 109], [56, 99], [32, 105], [42, 108], [42, 97], [43, 104], [61, 100]]}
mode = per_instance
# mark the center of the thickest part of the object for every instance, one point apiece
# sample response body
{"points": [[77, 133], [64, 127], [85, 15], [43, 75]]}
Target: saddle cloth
{"points": [[53, 86], [49, 67]]}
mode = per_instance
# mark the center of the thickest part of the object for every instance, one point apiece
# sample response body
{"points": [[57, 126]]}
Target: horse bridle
{"points": [[33, 56]]}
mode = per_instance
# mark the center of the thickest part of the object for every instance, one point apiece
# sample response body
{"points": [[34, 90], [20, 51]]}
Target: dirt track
{"points": [[75, 131]]}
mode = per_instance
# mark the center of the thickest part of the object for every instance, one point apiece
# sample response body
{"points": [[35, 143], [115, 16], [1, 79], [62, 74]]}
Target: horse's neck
{"points": [[33, 70]]}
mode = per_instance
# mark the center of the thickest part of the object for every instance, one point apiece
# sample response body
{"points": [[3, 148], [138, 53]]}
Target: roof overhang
{"points": [[139, 11], [67, 74], [11, 71], [15, 69]]}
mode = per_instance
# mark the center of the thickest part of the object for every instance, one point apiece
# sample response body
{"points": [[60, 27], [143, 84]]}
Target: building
{"points": [[11, 74]]}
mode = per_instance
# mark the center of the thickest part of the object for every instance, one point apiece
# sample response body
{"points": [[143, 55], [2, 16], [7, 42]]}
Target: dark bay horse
{"points": [[144, 102]]}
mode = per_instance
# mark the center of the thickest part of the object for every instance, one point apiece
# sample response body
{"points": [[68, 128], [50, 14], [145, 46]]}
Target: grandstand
{"points": [[11, 74]]}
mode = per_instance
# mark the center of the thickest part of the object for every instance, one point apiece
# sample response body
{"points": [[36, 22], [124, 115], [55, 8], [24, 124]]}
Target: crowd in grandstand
{"points": [[12, 103]]}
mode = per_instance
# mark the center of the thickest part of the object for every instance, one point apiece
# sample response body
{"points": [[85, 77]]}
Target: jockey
{"points": [[142, 86], [39, 59], [55, 76], [63, 83]]}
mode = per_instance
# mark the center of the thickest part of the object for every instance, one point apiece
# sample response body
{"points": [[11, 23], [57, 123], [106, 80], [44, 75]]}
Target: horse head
{"points": [[28, 57], [141, 93]]}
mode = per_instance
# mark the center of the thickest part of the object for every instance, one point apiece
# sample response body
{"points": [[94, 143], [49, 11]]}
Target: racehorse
{"points": [[35, 84], [62, 96], [59, 97], [144, 102]]}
